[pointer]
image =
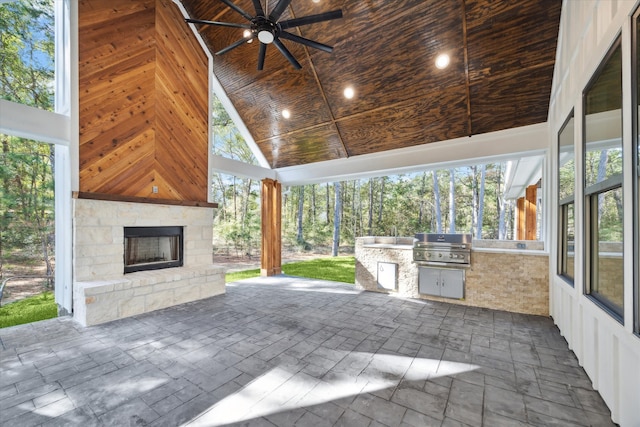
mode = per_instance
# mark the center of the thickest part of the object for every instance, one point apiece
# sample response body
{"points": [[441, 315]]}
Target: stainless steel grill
{"points": [[452, 250]]}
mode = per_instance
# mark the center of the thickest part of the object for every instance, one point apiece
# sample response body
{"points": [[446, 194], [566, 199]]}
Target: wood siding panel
{"points": [[143, 102]]}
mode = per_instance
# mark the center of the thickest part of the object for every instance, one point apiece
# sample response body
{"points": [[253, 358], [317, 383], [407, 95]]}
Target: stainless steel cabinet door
{"points": [[429, 281], [452, 283]]}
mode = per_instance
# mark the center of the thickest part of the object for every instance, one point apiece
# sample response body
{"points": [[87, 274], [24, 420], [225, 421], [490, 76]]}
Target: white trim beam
{"points": [[241, 169], [33, 123], [493, 147]]}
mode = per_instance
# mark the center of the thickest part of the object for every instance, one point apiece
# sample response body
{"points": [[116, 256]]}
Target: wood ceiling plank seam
{"points": [[293, 132], [466, 64], [324, 96]]}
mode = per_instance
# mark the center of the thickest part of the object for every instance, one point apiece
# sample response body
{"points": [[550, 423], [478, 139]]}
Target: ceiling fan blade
{"points": [[261, 55], [278, 10], [237, 9], [283, 50], [258, 6], [234, 45], [306, 42], [221, 24], [311, 19]]}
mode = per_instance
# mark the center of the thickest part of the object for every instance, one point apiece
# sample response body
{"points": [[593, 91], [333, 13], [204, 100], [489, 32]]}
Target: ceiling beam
{"points": [[33, 123], [489, 147]]}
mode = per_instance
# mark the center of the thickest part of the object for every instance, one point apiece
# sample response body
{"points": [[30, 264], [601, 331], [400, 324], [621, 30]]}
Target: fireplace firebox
{"points": [[152, 248]]}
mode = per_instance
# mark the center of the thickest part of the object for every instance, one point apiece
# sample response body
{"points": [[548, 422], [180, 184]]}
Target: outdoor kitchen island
{"points": [[502, 275]]}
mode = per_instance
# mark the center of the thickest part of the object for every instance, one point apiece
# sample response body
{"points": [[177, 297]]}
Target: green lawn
{"points": [[337, 269], [29, 310]]}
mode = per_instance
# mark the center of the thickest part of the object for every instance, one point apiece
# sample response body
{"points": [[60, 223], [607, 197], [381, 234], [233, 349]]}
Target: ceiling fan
{"points": [[269, 30]]}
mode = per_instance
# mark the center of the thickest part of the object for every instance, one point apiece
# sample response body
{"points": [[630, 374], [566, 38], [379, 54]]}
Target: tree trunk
{"points": [[354, 206], [474, 198], [421, 194], [452, 200], [483, 173], [381, 204], [337, 214], [328, 205], [436, 196], [370, 219], [502, 228], [299, 237], [602, 174], [235, 202], [313, 205]]}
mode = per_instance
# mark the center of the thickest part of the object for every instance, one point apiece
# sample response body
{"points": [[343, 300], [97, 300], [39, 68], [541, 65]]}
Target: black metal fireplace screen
{"points": [[152, 248]]}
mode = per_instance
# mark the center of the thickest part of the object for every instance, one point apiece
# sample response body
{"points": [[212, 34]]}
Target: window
{"points": [[566, 200], [604, 278]]}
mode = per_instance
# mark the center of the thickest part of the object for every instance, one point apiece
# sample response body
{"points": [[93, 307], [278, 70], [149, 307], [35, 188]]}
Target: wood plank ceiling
{"points": [[502, 58]]}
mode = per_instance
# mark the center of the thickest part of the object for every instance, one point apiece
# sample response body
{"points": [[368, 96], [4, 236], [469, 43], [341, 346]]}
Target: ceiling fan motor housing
{"points": [[264, 29]]}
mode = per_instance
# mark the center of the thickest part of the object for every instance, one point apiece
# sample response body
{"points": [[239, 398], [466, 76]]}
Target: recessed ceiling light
{"points": [[442, 61], [349, 92], [286, 113]]}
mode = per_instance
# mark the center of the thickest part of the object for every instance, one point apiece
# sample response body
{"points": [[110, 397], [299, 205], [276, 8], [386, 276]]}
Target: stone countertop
{"points": [[382, 244], [511, 251], [388, 246]]}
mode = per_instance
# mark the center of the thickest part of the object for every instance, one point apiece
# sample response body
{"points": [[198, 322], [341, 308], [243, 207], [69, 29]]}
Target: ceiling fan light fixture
{"points": [[247, 34], [265, 36], [442, 61]]}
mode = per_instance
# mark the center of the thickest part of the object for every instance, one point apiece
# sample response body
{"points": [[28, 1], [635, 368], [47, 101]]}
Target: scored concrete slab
{"points": [[284, 351]]}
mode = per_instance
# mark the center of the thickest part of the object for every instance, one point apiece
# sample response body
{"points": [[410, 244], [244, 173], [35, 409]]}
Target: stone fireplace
{"points": [[109, 284]]}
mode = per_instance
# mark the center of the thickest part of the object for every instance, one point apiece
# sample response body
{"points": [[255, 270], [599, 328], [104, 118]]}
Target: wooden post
{"points": [[271, 253], [530, 208], [520, 219]]}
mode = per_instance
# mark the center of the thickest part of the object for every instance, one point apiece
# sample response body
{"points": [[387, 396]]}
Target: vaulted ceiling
{"points": [[502, 58]]}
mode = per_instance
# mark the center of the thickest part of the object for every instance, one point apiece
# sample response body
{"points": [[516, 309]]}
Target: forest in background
{"points": [[26, 167], [332, 215]]}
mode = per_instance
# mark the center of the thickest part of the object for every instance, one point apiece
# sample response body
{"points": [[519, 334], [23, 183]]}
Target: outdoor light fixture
{"points": [[442, 61]]}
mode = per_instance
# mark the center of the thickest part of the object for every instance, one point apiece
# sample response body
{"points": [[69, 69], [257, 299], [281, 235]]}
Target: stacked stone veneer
{"points": [[502, 279], [101, 290]]}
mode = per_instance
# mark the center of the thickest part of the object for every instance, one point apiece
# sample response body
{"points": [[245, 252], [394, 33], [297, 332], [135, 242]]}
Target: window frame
{"points": [[635, 152], [593, 191], [564, 204]]}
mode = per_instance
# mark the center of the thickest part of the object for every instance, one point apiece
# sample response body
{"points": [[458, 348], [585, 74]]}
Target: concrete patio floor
{"points": [[284, 351]]}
